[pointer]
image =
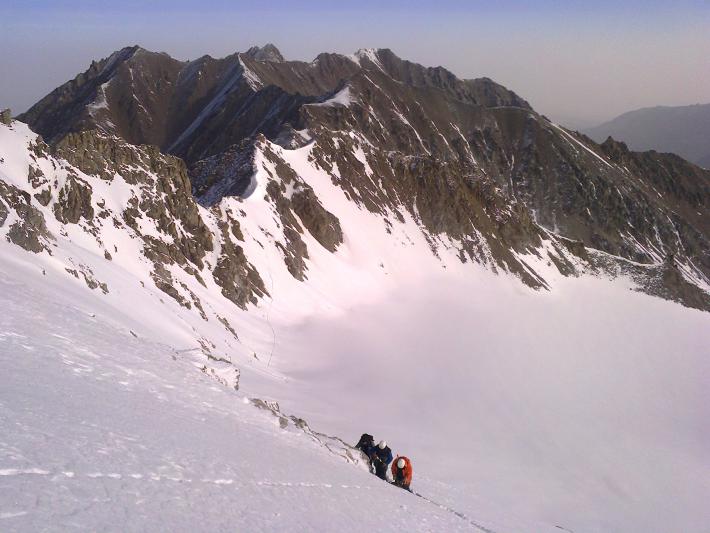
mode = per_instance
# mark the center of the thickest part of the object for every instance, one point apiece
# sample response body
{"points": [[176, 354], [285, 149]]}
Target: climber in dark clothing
{"points": [[380, 457], [366, 444]]}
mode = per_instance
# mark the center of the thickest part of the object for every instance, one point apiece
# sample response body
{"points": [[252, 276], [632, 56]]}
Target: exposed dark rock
{"points": [[148, 76], [469, 160], [30, 230], [195, 301], [27, 236], [227, 325], [238, 279], [164, 281], [89, 278], [295, 251], [74, 202], [167, 197], [227, 174], [320, 222], [44, 196], [4, 212], [266, 53]]}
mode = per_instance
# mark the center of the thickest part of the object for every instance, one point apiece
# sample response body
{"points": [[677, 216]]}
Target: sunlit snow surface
{"points": [[583, 408], [586, 408], [105, 431]]}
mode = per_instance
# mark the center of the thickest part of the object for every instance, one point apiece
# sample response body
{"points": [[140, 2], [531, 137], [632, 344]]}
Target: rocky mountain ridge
{"points": [[479, 171], [151, 98]]}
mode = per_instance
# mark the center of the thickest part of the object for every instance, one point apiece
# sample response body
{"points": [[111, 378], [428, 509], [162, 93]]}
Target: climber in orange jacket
{"points": [[402, 472]]}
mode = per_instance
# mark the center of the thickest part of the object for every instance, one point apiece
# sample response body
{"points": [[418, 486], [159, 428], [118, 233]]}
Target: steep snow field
{"points": [[584, 408], [106, 431]]}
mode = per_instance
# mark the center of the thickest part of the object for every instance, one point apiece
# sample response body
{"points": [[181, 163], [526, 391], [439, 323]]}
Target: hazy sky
{"points": [[577, 61]]}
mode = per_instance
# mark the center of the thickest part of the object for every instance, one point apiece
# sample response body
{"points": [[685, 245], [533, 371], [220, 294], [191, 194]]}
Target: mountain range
{"points": [[470, 160], [218, 273]]}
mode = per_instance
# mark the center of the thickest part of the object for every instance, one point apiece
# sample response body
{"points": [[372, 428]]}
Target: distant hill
{"points": [[684, 130]]}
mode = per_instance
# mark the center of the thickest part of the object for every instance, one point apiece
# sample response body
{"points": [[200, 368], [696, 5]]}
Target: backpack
{"points": [[366, 442]]}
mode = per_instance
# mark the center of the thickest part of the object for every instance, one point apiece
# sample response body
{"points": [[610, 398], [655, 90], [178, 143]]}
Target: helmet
{"points": [[401, 463], [382, 445]]}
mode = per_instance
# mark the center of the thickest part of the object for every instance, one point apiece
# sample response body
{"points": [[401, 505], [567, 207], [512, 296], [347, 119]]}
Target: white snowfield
{"points": [[103, 431], [584, 408]]}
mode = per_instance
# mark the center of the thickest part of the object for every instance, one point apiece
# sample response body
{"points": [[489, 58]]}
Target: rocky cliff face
{"points": [[479, 172], [198, 108]]}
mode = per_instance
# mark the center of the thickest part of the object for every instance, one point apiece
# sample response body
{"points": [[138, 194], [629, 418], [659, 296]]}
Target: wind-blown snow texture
{"points": [[582, 408], [103, 430]]}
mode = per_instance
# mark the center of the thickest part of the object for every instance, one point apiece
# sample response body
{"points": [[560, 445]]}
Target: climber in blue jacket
{"points": [[381, 457]]}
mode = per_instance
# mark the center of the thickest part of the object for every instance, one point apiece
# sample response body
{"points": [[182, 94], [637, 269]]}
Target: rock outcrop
{"points": [[6, 117]]}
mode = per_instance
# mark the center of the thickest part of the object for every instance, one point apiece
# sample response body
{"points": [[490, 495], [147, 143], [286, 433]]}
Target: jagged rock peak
{"points": [[616, 150], [116, 57], [369, 54], [126, 54], [6, 117], [268, 52], [612, 145]]}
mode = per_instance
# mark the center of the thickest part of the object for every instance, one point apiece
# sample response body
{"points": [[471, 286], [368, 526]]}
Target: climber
{"points": [[381, 456], [366, 444], [402, 472]]}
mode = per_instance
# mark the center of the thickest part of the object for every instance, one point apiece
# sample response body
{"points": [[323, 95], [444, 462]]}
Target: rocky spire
{"points": [[5, 117], [268, 52]]}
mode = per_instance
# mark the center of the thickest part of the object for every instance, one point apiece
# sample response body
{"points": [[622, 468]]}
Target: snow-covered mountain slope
{"points": [[514, 424], [103, 430], [581, 406], [469, 160], [584, 408]]}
